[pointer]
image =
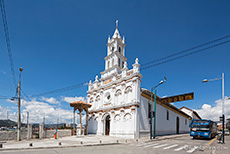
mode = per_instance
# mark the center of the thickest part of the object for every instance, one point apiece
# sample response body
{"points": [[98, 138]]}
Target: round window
{"points": [[107, 97]]}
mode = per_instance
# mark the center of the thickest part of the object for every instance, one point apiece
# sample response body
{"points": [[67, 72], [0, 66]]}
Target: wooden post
{"points": [[86, 110], [74, 128], [80, 123]]}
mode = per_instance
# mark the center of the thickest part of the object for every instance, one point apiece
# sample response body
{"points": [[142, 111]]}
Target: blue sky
{"points": [[62, 43]]}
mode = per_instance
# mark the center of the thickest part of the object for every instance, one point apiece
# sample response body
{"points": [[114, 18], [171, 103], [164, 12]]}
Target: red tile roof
{"points": [[80, 103]]}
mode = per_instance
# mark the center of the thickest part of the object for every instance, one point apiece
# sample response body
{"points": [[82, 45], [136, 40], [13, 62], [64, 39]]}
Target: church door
{"points": [[177, 125], [107, 125]]}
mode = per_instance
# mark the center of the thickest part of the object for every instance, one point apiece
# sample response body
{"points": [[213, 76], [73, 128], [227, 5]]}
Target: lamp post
{"points": [[19, 106], [153, 114], [222, 78]]}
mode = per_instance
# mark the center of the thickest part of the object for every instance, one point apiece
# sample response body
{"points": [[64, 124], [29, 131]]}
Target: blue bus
{"points": [[202, 128]]}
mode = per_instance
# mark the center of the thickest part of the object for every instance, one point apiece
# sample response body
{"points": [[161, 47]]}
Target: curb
{"points": [[166, 138], [60, 146]]}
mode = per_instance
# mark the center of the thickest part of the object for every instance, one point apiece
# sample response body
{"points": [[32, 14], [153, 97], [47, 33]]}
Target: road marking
{"points": [[178, 149], [160, 145], [193, 149], [211, 141], [142, 144], [171, 146], [151, 145]]}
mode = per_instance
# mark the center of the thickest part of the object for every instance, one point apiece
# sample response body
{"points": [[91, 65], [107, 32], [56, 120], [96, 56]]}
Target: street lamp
{"points": [[222, 78], [19, 106], [153, 114]]}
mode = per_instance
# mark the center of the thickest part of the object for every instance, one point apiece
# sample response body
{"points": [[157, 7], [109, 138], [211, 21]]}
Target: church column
{"points": [[86, 110], [100, 124]]}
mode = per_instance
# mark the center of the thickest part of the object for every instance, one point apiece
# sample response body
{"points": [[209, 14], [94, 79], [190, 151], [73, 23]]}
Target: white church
{"points": [[120, 107]]}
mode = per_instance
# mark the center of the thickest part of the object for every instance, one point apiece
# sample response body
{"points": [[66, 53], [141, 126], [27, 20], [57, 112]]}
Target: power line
{"points": [[32, 103], [156, 64], [59, 90], [8, 40], [166, 61], [187, 50]]}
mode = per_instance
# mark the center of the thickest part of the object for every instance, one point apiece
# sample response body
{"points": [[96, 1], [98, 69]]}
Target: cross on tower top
{"points": [[116, 23]]}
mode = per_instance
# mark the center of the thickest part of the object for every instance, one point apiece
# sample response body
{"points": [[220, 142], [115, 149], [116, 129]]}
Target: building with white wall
{"points": [[190, 112], [120, 107]]}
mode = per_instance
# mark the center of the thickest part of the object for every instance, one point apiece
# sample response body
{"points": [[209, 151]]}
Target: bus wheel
{"points": [[194, 137]]}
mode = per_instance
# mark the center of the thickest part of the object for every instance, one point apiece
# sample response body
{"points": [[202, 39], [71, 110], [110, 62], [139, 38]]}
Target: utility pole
{"points": [[7, 115], [27, 118], [19, 107], [44, 119], [223, 108]]}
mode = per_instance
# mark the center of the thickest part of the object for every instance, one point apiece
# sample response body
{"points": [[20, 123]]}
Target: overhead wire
{"points": [[152, 63], [59, 90], [182, 56], [187, 50], [35, 106], [4, 19]]}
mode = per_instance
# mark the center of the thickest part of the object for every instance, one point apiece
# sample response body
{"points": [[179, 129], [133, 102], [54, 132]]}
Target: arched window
{"points": [[128, 94], [97, 101], [122, 64], [167, 115], [127, 116], [185, 121], [119, 62], [119, 49], [112, 62], [118, 97], [108, 64], [91, 100]]}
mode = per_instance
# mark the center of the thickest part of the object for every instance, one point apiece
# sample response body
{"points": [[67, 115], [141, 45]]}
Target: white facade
{"points": [[119, 106], [190, 112]]}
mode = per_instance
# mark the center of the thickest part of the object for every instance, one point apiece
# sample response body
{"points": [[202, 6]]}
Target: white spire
{"points": [[109, 39], [116, 33], [125, 65], [123, 40], [96, 78], [136, 61]]}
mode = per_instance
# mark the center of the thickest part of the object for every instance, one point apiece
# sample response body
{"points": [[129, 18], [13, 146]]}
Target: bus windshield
{"points": [[199, 126]]}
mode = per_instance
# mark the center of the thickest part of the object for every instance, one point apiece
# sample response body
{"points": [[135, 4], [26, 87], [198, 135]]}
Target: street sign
{"points": [[177, 98]]}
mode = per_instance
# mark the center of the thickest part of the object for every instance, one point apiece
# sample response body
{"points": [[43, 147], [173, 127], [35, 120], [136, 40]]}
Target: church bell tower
{"points": [[115, 60]]}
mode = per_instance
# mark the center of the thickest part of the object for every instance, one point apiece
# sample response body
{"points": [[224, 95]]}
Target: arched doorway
{"points": [[107, 125], [177, 125]]}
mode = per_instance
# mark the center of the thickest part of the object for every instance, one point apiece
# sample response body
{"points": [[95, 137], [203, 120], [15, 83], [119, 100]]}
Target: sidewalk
{"points": [[74, 141]]}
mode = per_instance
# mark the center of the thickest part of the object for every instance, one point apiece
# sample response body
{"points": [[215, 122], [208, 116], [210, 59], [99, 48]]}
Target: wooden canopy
{"points": [[80, 106]]}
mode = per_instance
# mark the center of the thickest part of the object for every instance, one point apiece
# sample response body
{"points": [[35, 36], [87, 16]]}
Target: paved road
{"points": [[178, 146]]}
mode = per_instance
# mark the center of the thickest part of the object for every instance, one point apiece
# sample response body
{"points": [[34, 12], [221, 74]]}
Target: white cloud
{"points": [[3, 112], [50, 100], [73, 99], [214, 112], [39, 108]]}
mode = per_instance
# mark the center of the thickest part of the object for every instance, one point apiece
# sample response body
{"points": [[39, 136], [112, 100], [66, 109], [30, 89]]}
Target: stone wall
{"points": [[60, 133], [12, 135], [50, 133]]}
